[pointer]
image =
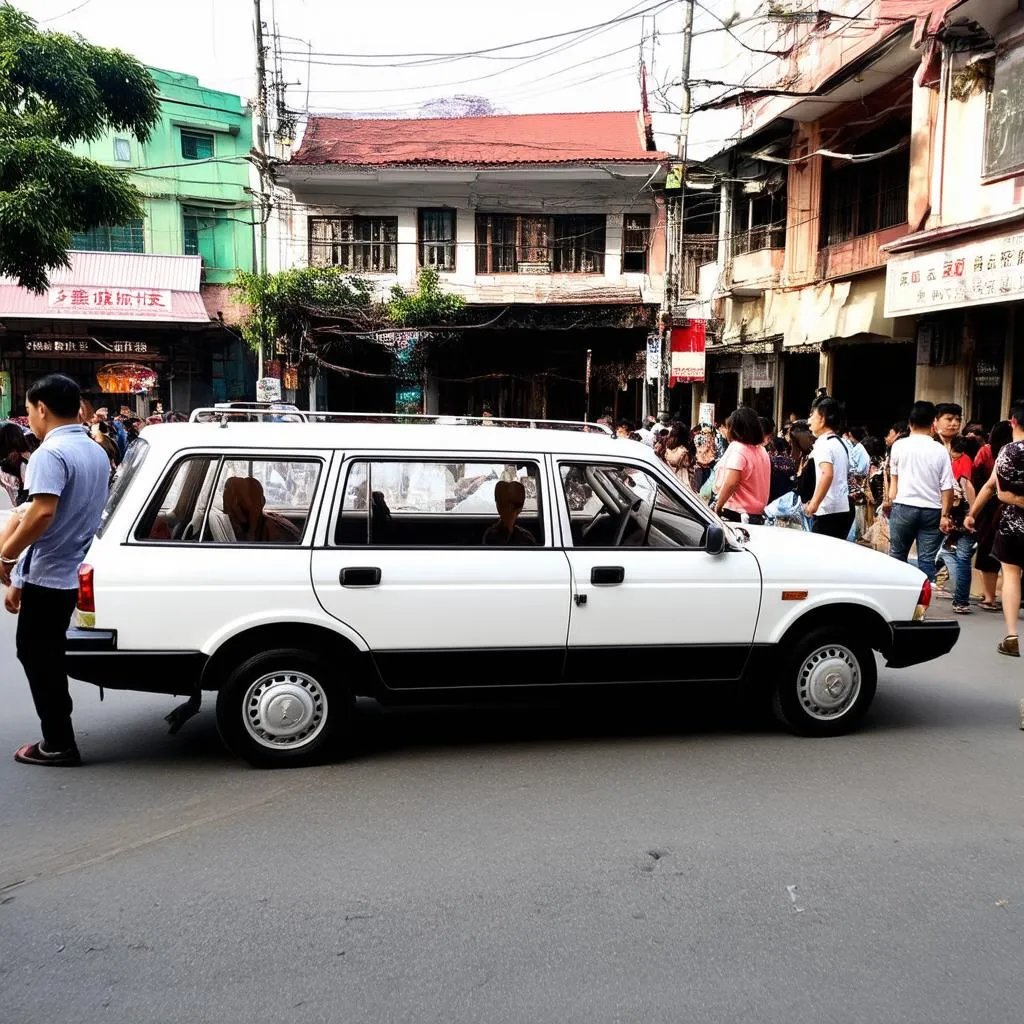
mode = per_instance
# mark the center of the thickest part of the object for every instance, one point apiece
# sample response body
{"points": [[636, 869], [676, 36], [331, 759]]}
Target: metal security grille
{"points": [[367, 245]]}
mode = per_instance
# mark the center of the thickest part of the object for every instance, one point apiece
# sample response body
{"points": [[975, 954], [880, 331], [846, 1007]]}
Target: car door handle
{"points": [[360, 577], [607, 575]]}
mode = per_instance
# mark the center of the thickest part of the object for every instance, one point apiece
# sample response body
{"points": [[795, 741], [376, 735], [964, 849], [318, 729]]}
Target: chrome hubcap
{"points": [[829, 682], [285, 709]]}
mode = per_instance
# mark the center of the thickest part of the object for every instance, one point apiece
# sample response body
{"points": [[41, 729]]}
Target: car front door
{"points": [[650, 603], [406, 566]]}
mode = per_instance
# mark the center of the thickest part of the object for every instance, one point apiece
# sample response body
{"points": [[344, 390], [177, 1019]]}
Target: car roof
{"points": [[397, 436]]}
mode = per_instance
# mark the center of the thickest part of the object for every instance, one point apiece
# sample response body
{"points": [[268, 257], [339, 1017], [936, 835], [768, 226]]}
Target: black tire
{"points": [[281, 708], [826, 684]]}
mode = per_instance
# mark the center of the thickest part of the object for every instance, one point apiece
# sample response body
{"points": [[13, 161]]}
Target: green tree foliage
{"points": [[428, 306], [283, 306], [56, 90]]}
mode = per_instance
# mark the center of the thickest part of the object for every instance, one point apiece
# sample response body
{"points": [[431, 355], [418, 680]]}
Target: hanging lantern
{"points": [[126, 379], [291, 378]]}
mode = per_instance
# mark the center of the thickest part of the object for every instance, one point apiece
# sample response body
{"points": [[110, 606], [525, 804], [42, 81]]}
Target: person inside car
{"points": [[244, 504], [509, 497]]}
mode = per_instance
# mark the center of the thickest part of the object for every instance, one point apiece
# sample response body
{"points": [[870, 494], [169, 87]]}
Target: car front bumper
{"points": [[93, 656], [914, 643]]}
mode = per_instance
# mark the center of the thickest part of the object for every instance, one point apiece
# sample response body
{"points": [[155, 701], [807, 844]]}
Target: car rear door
{"points": [[650, 603], [403, 563]]}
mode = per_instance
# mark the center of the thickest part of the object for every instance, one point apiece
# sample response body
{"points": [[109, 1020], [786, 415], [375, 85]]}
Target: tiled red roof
{"points": [[496, 139]]}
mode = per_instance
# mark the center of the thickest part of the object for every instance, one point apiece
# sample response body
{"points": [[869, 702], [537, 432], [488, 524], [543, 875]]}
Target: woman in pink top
{"points": [[743, 477]]}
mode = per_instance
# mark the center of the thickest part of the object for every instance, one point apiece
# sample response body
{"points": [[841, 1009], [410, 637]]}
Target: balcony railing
{"points": [[761, 236], [697, 250]]}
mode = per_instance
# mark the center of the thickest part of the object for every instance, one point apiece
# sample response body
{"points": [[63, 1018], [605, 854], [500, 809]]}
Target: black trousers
{"points": [[836, 525], [42, 624], [754, 518]]}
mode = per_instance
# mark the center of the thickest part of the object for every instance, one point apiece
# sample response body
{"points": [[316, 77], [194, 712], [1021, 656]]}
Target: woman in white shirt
{"points": [[829, 507]]}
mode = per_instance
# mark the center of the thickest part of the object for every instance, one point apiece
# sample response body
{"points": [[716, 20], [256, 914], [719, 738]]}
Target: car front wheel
{"points": [[280, 709], [827, 684]]}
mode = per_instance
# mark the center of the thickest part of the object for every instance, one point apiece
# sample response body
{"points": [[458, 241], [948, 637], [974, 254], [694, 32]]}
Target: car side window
{"points": [[623, 506], [440, 503], [261, 501], [219, 500], [177, 510]]}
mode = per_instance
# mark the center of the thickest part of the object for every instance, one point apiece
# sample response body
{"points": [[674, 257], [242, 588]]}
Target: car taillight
{"points": [[923, 601], [86, 592]]}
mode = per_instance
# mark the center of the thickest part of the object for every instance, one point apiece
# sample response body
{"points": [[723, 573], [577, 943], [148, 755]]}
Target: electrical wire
{"points": [[57, 17], [625, 17]]}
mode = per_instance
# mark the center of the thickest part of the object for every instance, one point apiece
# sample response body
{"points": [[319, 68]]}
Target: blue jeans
{"points": [[907, 524], [958, 562]]}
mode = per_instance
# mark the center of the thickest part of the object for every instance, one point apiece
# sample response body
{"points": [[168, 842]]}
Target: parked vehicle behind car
{"points": [[291, 567]]}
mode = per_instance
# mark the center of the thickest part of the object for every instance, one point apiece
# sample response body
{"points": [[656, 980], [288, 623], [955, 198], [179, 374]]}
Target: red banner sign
{"points": [[688, 345]]}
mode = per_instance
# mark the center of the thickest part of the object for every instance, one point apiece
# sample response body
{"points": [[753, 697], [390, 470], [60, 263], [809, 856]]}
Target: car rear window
{"points": [[126, 472]]}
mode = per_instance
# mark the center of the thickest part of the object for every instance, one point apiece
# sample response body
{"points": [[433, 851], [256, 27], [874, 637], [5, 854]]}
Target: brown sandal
{"points": [[1010, 646]]}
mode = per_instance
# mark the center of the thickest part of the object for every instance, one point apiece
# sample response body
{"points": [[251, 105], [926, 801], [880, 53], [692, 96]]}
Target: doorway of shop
{"points": [[799, 383], [875, 382], [724, 393]]}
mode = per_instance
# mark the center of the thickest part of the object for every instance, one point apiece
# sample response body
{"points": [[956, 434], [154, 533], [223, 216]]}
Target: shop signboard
{"points": [[969, 274], [57, 346], [688, 345], [653, 357], [62, 346], [109, 300], [268, 389]]}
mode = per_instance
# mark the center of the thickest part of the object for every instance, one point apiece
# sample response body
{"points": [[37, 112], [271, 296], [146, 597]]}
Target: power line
{"points": [[57, 17], [505, 46]]}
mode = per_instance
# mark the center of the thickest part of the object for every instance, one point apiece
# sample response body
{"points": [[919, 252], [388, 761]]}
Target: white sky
{"points": [[213, 39]]}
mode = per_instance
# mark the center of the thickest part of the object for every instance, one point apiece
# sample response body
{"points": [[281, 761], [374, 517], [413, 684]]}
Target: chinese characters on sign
{"points": [[72, 346], [110, 301], [56, 345], [971, 274]]}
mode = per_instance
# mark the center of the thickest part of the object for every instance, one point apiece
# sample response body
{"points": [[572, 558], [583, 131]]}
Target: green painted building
{"points": [[194, 173]]}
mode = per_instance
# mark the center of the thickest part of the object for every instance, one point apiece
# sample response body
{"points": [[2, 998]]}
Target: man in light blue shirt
{"points": [[67, 485]]}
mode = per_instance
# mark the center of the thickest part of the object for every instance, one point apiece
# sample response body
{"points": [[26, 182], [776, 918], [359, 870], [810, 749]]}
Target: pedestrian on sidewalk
{"points": [[921, 490], [829, 506], [67, 487], [988, 517], [957, 550], [1007, 484], [743, 475]]}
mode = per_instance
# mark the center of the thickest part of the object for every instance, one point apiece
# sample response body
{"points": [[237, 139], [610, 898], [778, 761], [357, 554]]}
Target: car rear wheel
{"points": [[281, 708], [828, 683]]}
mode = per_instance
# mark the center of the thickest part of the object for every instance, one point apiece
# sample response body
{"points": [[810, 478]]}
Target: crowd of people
{"points": [[950, 495], [115, 434]]}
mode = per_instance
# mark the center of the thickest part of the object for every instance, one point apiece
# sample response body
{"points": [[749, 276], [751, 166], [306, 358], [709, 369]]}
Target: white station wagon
{"points": [[292, 567]]}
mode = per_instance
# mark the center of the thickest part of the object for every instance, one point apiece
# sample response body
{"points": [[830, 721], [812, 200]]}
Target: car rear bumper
{"points": [[914, 643], [93, 656]]}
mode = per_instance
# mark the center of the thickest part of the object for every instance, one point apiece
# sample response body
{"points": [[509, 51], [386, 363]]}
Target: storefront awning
{"points": [[113, 287], [818, 313]]}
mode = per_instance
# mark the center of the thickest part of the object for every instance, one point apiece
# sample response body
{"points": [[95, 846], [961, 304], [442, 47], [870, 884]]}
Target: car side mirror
{"points": [[714, 542]]}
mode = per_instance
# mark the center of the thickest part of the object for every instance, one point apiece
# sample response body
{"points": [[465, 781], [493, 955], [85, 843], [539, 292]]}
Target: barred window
{"points": [[366, 245]]}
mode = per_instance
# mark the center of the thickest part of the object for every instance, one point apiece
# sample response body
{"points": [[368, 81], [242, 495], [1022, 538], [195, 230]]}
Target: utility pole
{"points": [[676, 234], [263, 168]]}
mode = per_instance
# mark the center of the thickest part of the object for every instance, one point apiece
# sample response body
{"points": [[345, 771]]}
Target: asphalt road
{"points": [[630, 864]]}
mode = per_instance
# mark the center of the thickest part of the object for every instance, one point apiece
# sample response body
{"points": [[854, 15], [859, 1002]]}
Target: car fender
{"points": [[302, 616], [772, 628]]}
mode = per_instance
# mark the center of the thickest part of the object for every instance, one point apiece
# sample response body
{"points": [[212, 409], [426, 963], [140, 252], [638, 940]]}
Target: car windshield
{"points": [[126, 472]]}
